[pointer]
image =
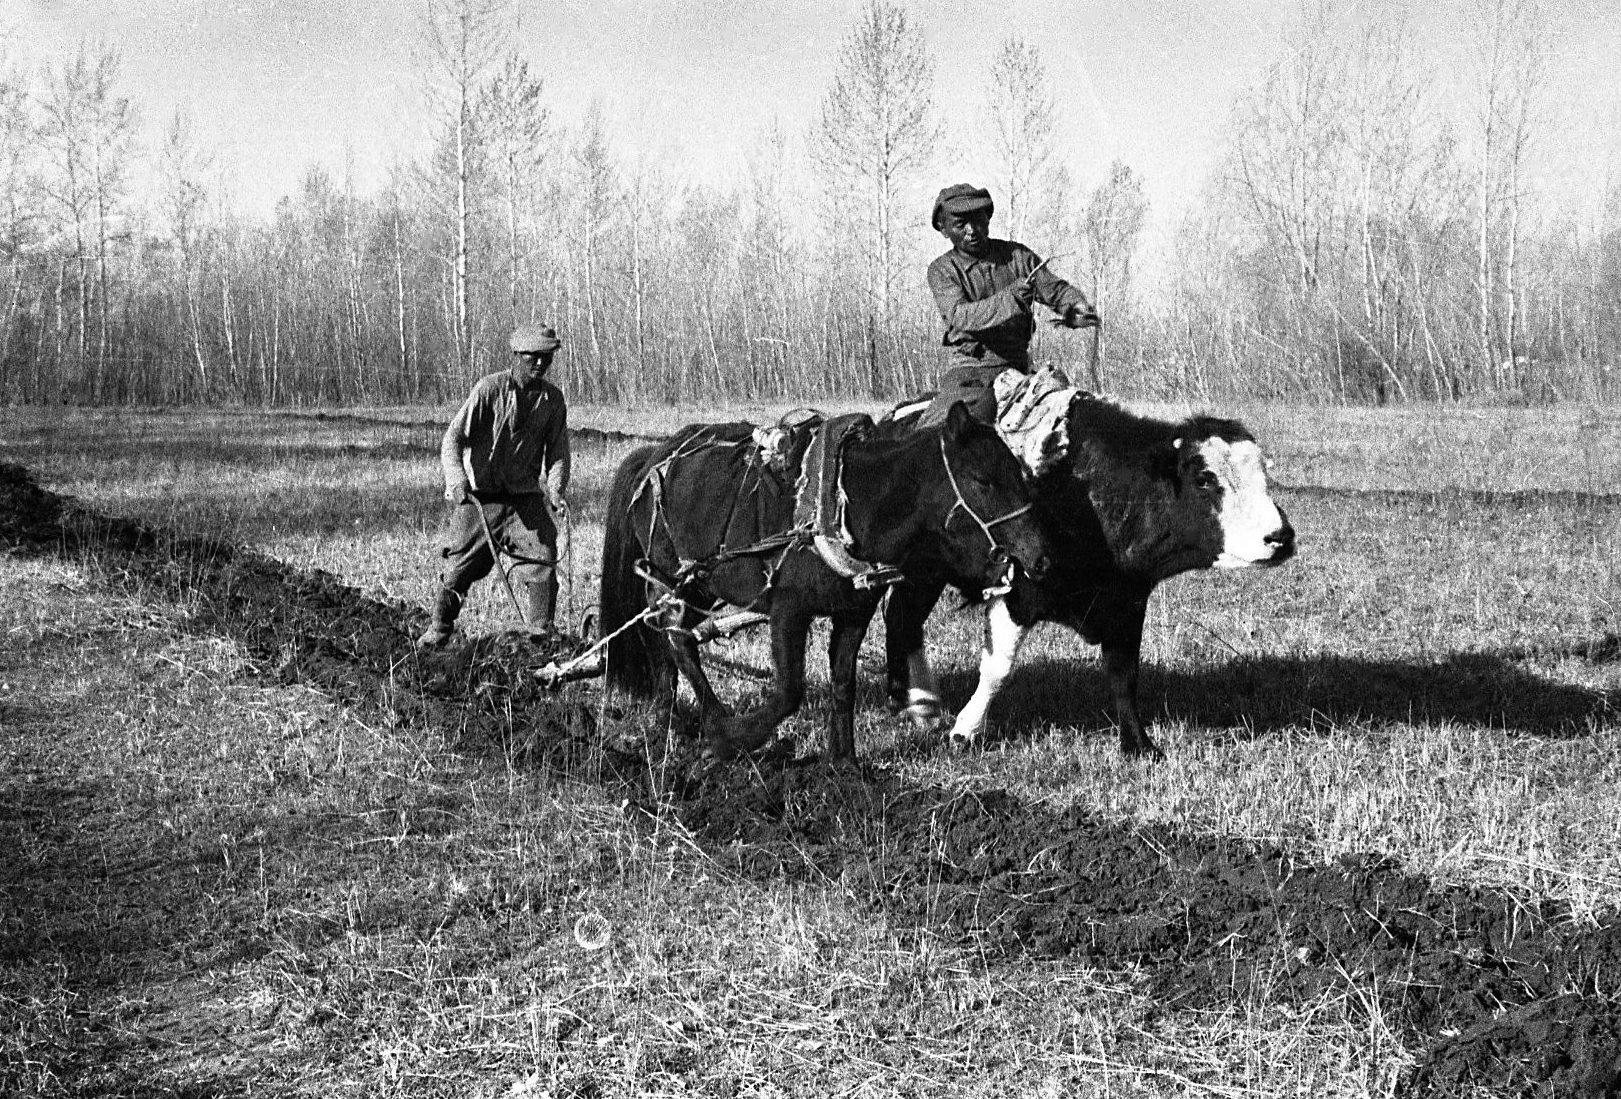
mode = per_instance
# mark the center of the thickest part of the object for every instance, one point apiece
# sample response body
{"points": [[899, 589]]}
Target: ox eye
{"points": [[1206, 480]]}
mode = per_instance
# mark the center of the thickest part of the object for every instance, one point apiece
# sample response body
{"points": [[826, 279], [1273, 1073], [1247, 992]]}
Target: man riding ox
{"points": [[505, 458], [984, 288]]}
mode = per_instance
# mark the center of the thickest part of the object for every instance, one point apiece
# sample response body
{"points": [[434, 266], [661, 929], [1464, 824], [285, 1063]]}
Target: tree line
{"points": [[1372, 234]]}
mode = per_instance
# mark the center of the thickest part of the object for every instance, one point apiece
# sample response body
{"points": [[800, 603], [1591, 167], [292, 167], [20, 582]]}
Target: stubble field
{"points": [[249, 845]]}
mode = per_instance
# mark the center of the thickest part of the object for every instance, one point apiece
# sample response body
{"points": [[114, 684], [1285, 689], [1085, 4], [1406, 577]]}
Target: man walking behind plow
{"points": [[506, 465], [984, 288]]}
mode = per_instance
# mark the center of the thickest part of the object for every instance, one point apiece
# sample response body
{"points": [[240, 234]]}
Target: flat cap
{"points": [[534, 337], [961, 198]]}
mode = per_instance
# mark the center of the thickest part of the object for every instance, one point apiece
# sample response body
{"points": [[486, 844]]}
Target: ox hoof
{"points": [[928, 718], [961, 745], [1146, 752]]}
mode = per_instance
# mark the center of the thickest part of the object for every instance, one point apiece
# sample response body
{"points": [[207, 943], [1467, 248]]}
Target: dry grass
{"points": [[214, 885]]}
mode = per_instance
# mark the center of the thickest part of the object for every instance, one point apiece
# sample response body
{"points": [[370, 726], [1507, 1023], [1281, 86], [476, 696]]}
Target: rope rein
{"points": [[985, 525]]}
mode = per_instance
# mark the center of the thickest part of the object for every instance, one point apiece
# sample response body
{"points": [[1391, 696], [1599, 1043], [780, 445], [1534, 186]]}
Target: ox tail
{"points": [[631, 661]]}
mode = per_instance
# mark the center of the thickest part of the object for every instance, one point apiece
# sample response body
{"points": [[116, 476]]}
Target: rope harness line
{"points": [[553, 674], [984, 524], [800, 536], [696, 569]]}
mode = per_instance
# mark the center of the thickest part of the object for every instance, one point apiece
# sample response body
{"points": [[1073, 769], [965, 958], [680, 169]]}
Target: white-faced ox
{"points": [[1133, 502]]}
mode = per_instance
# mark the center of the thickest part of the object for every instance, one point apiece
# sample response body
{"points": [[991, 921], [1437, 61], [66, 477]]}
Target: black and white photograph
{"points": [[591, 549]]}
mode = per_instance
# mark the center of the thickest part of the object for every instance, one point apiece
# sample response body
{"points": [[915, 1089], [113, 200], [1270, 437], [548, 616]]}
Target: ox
{"points": [[1131, 502], [702, 521]]}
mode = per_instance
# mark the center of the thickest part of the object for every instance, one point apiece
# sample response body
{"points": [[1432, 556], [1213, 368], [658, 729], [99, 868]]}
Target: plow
{"points": [[591, 662]]}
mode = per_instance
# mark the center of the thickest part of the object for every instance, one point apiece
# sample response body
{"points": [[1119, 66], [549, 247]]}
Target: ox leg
{"points": [[1122, 656], [790, 627], [684, 650], [665, 670], [912, 685], [1003, 637], [923, 704], [843, 648]]}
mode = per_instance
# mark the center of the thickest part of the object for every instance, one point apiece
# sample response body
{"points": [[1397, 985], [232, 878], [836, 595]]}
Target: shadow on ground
{"points": [[1500, 993], [1268, 694]]}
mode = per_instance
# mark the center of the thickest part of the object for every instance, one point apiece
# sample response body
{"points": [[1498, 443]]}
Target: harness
{"points": [[821, 503], [820, 508], [985, 525], [695, 568], [819, 522]]}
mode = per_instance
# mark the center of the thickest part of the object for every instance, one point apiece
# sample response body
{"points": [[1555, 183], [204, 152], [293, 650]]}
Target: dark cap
{"points": [[534, 337], [961, 198]]}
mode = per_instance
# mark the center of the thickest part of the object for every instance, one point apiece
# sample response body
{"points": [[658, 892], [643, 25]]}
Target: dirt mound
{"points": [[1509, 996]]}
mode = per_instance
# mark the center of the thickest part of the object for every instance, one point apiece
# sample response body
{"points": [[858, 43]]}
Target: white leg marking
{"points": [[920, 675], [1003, 637], [923, 696]]}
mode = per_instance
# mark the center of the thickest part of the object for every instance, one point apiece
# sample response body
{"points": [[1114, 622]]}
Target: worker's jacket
{"points": [[985, 324], [507, 441]]}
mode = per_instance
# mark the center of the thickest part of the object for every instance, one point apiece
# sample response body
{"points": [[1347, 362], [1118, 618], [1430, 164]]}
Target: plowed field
{"points": [[1496, 991]]}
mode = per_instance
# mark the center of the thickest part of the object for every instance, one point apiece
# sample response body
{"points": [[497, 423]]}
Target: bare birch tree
{"points": [[1287, 154], [461, 41], [1111, 229], [183, 169], [1511, 50], [1020, 120], [594, 189], [519, 127], [772, 274], [19, 218], [875, 135], [88, 129]]}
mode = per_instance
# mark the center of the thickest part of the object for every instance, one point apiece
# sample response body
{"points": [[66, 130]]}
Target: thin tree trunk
{"points": [[399, 308]]}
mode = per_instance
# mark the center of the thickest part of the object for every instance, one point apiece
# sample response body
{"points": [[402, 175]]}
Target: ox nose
{"points": [[1037, 569], [1282, 540]]}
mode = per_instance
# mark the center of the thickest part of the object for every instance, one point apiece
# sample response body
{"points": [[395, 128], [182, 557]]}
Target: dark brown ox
{"points": [[1134, 502], [948, 505]]}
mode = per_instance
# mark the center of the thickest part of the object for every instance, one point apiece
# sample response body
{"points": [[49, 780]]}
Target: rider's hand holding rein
{"points": [[1077, 316]]}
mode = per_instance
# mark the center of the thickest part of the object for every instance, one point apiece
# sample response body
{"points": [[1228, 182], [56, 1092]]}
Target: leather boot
{"points": [[541, 606], [445, 610]]}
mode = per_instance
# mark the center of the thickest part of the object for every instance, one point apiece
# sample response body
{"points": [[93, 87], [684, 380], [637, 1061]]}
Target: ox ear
{"points": [[959, 421]]}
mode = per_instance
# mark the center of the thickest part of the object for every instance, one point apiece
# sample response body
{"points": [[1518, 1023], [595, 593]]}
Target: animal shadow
{"points": [[1268, 694]]}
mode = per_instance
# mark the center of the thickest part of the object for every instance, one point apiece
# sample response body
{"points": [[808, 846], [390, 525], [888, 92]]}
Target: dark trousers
{"points": [[972, 383], [523, 529]]}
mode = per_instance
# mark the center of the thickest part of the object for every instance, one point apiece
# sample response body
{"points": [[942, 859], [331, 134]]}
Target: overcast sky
{"points": [[273, 85]]}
